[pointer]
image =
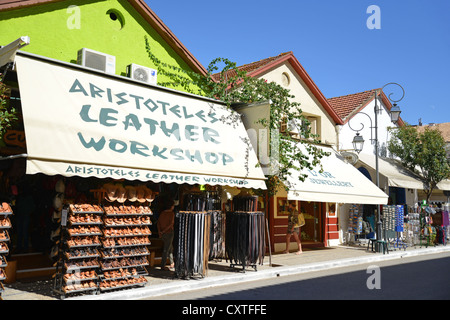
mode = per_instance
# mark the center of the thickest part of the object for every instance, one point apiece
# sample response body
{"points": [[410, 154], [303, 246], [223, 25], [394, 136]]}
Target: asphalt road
{"points": [[414, 278]]}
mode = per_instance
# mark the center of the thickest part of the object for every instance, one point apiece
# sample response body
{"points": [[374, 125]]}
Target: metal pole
{"points": [[379, 225], [268, 238]]}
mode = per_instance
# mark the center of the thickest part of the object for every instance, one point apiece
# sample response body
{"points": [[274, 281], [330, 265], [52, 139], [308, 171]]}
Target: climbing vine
{"points": [[7, 114], [232, 85]]}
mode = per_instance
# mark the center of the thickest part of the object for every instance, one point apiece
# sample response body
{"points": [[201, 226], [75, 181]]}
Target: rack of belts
{"points": [[217, 230], [245, 235], [192, 243], [217, 235], [192, 237]]}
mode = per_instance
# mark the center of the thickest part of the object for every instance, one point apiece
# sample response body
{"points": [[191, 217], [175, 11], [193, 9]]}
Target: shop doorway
{"points": [[312, 231]]}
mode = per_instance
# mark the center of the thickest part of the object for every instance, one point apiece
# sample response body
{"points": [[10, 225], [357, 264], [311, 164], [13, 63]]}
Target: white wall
{"points": [[358, 121], [308, 102]]}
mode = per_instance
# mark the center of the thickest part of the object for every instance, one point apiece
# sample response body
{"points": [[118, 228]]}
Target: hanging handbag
{"points": [[301, 220]]}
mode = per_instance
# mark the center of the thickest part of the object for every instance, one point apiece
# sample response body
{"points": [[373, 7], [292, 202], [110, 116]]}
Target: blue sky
{"points": [[333, 43]]}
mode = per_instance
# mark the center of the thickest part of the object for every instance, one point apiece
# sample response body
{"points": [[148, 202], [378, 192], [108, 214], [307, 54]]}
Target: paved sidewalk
{"points": [[220, 273]]}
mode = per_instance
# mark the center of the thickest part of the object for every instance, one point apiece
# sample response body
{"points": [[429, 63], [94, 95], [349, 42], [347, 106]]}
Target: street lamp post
{"points": [[358, 141]]}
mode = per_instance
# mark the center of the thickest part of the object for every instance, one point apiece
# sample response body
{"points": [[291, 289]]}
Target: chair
{"points": [[372, 241], [383, 245], [378, 244]]}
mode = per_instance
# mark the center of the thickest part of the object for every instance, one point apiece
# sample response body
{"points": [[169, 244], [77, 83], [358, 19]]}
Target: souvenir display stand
{"points": [[441, 235], [245, 235], [104, 247], [78, 258], [357, 229], [124, 246], [400, 242], [428, 232], [435, 222], [393, 226], [412, 227], [440, 223], [355, 219], [5, 224], [446, 222], [125, 237]]}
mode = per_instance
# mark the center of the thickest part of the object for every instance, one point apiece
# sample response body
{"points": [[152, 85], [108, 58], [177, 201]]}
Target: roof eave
{"points": [[305, 77], [384, 99]]}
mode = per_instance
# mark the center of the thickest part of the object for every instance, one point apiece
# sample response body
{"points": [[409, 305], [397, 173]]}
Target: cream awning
{"points": [[393, 170], [86, 123], [444, 185], [338, 182]]}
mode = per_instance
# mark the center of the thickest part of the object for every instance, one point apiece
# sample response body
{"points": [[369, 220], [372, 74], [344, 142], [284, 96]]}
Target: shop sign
{"points": [[334, 181], [79, 117], [86, 170], [325, 177], [14, 138]]}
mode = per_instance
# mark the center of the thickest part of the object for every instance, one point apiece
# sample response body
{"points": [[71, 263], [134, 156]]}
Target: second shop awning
{"points": [[338, 182], [393, 170], [86, 123]]}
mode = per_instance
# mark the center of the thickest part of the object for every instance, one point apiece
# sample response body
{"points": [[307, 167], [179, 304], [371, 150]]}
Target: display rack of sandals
{"points": [[78, 258], [5, 224], [244, 236], [126, 231], [192, 237]]}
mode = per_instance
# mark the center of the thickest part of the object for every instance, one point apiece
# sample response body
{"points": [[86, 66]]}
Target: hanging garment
{"points": [[445, 218]]}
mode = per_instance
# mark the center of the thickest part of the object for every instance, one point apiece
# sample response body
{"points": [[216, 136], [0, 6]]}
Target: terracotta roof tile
{"points": [[443, 127], [250, 67], [346, 105]]}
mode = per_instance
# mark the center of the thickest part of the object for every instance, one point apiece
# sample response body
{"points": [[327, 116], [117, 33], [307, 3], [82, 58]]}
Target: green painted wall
{"points": [[58, 32]]}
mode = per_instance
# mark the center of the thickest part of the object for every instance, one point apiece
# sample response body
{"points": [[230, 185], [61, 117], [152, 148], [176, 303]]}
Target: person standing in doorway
{"points": [[165, 227], [293, 228]]}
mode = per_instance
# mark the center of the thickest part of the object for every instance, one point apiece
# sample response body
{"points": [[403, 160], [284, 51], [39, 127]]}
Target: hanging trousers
{"points": [[167, 248]]}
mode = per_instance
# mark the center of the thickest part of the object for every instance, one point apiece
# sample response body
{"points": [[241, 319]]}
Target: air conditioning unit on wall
{"points": [[97, 60], [142, 73]]}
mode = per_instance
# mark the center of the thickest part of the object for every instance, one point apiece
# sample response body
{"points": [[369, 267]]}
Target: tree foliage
{"points": [[234, 86], [423, 153]]}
